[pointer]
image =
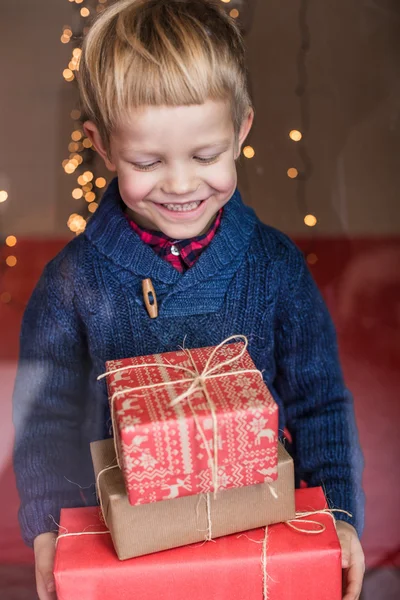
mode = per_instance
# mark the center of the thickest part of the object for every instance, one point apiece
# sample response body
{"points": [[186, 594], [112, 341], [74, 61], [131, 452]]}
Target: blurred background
{"points": [[322, 164]]}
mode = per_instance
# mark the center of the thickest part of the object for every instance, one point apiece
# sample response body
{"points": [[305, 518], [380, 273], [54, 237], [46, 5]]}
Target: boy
{"points": [[163, 87]]}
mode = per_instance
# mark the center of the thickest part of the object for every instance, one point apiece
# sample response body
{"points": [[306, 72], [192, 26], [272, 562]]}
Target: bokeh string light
{"points": [[81, 159], [304, 171], [7, 260]]}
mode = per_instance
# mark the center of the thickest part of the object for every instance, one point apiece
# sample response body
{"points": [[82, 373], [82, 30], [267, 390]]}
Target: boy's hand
{"points": [[352, 560], [45, 548]]}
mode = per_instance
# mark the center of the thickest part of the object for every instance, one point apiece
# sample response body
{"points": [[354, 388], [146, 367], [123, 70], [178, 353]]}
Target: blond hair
{"points": [[161, 52]]}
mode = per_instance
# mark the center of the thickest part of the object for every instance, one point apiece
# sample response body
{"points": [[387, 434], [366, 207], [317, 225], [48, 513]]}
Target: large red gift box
{"points": [[282, 564], [222, 435]]}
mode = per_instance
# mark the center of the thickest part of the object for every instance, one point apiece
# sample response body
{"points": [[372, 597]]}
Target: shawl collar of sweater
{"points": [[113, 237]]}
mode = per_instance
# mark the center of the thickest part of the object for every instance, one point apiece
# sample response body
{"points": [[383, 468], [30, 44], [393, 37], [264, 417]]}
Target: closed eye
{"points": [[207, 161], [145, 167], [203, 160]]}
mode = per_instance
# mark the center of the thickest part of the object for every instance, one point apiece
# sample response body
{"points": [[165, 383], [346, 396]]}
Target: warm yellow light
{"points": [[226, 1], [310, 220], [76, 135], [79, 158], [100, 182], [11, 240], [312, 259], [73, 147], [295, 135], [88, 187], [5, 297], [249, 152], [76, 223], [90, 196], [74, 162], [79, 1], [292, 173], [68, 75], [65, 39], [76, 52], [77, 193], [85, 12], [87, 143], [70, 168], [234, 13], [67, 32], [93, 207], [72, 65], [82, 180], [3, 196], [76, 114], [11, 261], [89, 175]]}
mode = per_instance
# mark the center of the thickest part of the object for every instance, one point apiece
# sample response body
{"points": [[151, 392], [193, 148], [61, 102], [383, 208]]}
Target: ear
{"points": [[244, 130], [94, 136]]}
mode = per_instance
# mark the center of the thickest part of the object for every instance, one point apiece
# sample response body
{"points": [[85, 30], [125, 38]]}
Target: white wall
{"points": [[354, 99]]}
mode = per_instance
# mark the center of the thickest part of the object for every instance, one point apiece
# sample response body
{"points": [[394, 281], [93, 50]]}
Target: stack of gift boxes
{"points": [[196, 493]]}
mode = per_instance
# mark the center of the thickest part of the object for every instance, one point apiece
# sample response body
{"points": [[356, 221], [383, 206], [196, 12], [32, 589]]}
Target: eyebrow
{"points": [[222, 143], [219, 144]]}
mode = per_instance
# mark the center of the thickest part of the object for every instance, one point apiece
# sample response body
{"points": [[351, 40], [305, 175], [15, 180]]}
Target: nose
{"points": [[180, 181]]}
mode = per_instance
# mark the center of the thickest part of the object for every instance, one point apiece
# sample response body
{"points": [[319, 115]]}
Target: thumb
{"points": [[345, 558], [50, 583]]}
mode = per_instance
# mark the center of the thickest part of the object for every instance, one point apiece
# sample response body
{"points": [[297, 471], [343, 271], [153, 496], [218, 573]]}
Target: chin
{"points": [[183, 232]]}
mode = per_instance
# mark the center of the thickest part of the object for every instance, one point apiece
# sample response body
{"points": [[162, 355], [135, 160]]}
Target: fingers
{"points": [[354, 579], [345, 558], [45, 586], [44, 546]]}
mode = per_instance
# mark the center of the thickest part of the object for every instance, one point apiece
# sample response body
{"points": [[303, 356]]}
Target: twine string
{"points": [[299, 518], [264, 565], [98, 488], [197, 383]]}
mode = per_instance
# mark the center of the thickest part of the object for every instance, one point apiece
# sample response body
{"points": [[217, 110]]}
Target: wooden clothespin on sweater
{"points": [[150, 298]]}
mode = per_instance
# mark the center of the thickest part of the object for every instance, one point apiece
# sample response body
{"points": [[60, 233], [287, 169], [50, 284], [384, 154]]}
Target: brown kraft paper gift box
{"points": [[148, 528]]}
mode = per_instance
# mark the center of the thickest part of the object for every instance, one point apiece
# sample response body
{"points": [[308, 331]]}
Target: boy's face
{"points": [[175, 165]]}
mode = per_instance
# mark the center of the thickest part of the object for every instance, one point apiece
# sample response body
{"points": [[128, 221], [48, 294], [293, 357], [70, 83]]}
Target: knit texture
{"points": [[88, 308]]}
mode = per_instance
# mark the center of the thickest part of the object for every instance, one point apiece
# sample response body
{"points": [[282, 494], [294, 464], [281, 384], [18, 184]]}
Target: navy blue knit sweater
{"points": [[88, 308]]}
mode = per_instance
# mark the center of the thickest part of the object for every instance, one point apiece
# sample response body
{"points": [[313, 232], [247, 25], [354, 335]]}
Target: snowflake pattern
{"points": [[242, 381], [257, 425], [129, 463], [129, 422], [147, 461]]}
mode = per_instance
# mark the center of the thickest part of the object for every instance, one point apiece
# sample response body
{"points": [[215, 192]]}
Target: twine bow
{"points": [[299, 518], [197, 383]]}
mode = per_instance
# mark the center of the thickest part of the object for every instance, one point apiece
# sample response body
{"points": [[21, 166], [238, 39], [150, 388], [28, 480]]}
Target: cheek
{"points": [[223, 178], [134, 187]]}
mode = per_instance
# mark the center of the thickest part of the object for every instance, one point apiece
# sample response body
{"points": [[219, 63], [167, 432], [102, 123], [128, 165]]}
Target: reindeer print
{"points": [[174, 488]]}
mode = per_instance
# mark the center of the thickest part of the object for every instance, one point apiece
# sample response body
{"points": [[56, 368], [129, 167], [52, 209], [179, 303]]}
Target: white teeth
{"points": [[183, 207]]}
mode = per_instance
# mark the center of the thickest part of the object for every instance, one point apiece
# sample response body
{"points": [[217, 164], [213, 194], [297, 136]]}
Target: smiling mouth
{"points": [[183, 207]]}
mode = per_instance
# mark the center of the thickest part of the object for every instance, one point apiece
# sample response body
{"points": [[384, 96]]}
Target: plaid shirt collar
{"points": [[181, 254]]}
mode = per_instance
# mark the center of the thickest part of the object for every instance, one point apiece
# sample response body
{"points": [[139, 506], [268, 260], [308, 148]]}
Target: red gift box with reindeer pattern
{"points": [[192, 422]]}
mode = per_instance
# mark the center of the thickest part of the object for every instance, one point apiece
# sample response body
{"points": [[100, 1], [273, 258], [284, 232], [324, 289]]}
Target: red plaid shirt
{"points": [[181, 254]]}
